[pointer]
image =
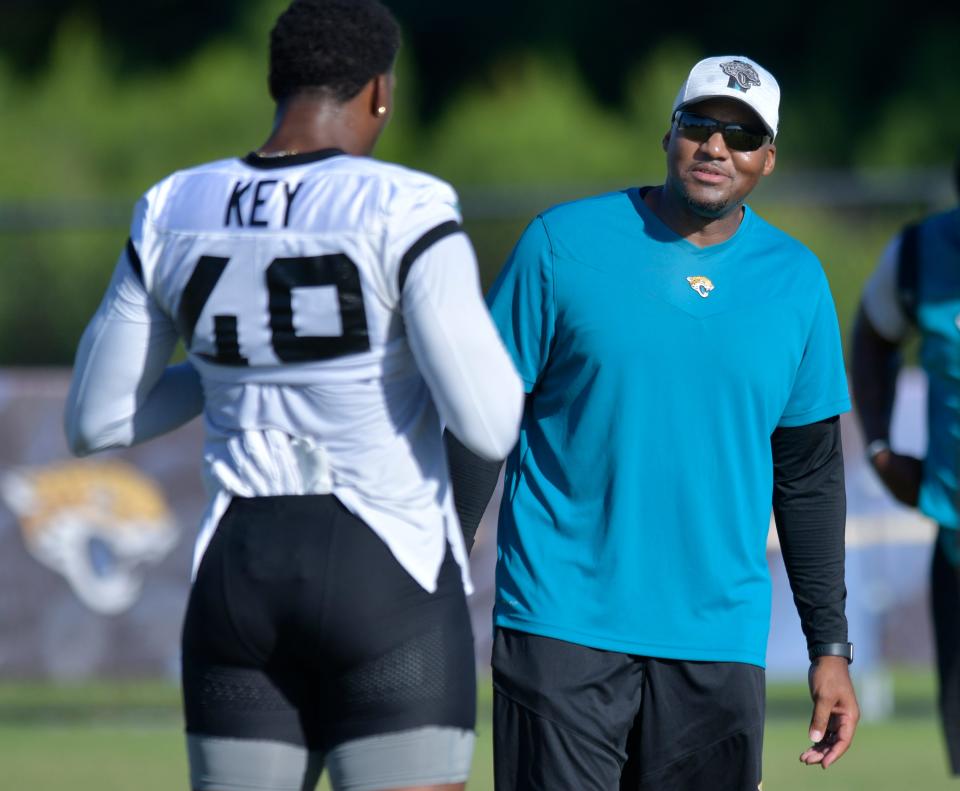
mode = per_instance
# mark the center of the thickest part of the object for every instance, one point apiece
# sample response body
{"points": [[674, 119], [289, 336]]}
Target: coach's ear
{"points": [[665, 143], [770, 159]]}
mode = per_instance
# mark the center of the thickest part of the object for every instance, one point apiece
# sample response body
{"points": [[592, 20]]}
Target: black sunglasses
{"points": [[700, 128]]}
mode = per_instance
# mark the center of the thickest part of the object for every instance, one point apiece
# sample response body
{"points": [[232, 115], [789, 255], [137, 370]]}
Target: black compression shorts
{"points": [[303, 628]]}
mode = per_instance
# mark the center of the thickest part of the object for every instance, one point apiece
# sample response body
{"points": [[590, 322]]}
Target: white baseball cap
{"points": [[734, 77]]}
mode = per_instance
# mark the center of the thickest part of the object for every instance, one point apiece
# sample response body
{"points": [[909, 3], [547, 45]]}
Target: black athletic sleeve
{"points": [[810, 509], [873, 377], [474, 480]]}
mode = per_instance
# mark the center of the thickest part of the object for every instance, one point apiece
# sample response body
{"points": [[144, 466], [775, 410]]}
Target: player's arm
{"points": [[474, 480], [123, 391], [873, 377], [809, 507], [523, 307], [470, 375], [878, 332]]}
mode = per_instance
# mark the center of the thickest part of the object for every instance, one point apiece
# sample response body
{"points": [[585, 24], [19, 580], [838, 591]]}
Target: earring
{"points": [[381, 110]]}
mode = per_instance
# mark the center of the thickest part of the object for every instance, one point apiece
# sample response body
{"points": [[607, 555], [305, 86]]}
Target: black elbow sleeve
{"points": [[474, 480]]}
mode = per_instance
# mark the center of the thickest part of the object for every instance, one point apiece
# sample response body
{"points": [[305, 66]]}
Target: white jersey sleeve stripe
{"points": [[431, 237], [134, 258]]}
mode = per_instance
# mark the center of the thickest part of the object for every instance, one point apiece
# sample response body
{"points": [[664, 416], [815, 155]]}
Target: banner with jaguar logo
{"points": [[95, 553]]}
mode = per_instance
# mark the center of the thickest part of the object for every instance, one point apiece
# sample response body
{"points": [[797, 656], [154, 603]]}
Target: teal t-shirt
{"points": [[637, 501]]}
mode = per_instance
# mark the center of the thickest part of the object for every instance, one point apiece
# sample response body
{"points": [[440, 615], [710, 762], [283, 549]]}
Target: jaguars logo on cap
{"points": [[742, 75], [97, 524], [702, 285]]}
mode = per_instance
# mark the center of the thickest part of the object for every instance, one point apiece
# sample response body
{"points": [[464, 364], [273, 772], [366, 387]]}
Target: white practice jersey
{"points": [[331, 310], [881, 297]]}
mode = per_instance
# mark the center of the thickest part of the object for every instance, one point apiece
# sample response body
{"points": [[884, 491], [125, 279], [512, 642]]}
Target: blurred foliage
{"points": [[142, 35], [96, 106], [850, 71], [85, 129], [847, 70]]}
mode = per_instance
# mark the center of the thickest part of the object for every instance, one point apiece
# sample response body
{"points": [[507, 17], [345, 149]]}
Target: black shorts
{"points": [[572, 718], [303, 628], [945, 601]]}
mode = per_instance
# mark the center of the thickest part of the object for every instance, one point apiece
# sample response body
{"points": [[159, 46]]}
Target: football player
{"points": [[332, 315]]}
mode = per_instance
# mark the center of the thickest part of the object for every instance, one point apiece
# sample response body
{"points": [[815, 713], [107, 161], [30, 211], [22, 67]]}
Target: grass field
{"points": [[127, 736]]}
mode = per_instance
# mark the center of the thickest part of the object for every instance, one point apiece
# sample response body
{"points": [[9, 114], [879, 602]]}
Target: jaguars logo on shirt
{"points": [[96, 524], [702, 285]]}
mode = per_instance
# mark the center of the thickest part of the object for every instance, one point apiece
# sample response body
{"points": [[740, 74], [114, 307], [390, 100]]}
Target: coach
{"points": [[683, 370]]}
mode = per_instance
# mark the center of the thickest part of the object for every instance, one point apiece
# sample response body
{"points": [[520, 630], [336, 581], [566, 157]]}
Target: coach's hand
{"points": [[835, 710]]}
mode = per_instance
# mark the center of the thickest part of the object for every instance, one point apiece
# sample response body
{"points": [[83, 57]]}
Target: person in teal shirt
{"points": [[915, 288], [683, 370]]}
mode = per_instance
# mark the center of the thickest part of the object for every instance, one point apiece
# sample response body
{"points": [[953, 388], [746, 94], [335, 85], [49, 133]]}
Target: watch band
{"points": [[832, 649]]}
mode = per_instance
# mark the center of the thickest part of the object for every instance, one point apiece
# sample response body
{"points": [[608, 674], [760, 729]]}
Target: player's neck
{"points": [[305, 124]]}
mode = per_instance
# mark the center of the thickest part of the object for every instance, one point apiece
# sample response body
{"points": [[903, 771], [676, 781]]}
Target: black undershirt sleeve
{"points": [[810, 509], [474, 480], [873, 377]]}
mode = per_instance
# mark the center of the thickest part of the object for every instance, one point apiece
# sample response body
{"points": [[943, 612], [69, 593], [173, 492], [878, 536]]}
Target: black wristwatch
{"points": [[832, 649]]}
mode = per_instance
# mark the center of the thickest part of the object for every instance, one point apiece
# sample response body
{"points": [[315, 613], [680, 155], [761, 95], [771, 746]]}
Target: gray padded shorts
{"points": [[418, 757]]}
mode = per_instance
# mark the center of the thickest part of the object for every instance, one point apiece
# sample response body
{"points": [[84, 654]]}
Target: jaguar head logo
{"points": [[742, 75], [701, 285], [96, 524]]}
